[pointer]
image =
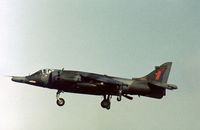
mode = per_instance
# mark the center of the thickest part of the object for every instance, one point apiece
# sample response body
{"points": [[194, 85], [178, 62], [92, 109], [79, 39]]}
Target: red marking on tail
{"points": [[159, 73]]}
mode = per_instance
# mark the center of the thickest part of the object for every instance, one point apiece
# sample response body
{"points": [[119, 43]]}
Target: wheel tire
{"points": [[105, 104], [119, 98], [60, 102], [108, 108]]}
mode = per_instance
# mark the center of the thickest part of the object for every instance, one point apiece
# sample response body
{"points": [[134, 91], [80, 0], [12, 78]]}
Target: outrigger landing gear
{"points": [[106, 102], [60, 101]]}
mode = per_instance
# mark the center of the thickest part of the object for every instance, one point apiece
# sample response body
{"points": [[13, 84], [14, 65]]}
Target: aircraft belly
{"points": [[88, 89]]}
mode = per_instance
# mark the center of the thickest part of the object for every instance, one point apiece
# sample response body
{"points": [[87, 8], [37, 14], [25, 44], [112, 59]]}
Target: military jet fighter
{"points": [[153, 85]]}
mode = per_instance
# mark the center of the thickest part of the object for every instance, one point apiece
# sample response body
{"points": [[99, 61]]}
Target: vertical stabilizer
{"points": [[161, 73]]}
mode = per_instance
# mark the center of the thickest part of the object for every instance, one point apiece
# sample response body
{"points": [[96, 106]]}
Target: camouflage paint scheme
{"points": [[152, 85]]}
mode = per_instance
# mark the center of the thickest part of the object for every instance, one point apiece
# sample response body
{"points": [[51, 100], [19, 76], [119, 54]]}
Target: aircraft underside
{"points": [[107, 93]]}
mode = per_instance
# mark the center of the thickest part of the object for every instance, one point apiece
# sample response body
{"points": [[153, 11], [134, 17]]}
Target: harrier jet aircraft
{"points": [[153, 85]]}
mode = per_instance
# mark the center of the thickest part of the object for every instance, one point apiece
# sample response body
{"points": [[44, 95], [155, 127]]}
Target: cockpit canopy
{"points": [[42, 72], [46, 71]]}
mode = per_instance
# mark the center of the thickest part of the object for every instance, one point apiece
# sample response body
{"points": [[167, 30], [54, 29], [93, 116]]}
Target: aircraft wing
{"points": [[163, 85], [101, 78]]}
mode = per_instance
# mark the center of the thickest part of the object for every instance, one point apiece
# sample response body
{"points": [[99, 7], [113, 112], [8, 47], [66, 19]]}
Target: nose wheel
{"points": [[60, 101], [106, 102]]}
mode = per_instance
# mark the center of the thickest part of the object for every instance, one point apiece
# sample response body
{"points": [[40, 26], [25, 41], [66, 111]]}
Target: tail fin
{"points": [[161, 73]]}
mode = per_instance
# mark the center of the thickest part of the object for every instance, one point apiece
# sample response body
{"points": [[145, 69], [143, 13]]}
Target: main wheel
{"points": [[108, 108], [60, 102], [105, 104]]}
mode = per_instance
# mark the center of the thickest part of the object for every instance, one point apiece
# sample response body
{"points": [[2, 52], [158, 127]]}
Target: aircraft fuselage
{"points": [[153, 85]]}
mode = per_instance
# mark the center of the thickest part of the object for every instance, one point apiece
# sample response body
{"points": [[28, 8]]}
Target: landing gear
{"points": [[119, 97], [106, 102], [60, 101]]}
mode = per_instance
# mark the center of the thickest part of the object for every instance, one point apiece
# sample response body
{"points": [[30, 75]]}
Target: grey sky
{"points": [[122, 38]]}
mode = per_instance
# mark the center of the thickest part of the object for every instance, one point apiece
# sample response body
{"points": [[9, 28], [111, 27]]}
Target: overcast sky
{"points": [[124, 38]]}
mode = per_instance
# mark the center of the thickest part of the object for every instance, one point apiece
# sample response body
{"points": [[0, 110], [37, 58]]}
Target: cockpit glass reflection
{"points": [[42, 72], [46, 71]]}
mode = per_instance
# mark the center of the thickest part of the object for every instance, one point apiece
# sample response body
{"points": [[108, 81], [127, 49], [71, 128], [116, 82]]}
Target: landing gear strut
{"points": [[106, 102], [119, 97], [60, 101]]}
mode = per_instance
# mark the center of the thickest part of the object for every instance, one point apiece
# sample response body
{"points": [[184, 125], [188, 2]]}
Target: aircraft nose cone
{"points": [[18, 79]]}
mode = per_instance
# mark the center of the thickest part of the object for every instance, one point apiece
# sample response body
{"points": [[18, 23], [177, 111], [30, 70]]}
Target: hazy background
{"points": [[116, 37]]}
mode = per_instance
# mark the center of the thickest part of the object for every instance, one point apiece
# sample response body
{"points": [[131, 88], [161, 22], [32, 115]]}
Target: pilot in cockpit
{"points": [[46, 71]]}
